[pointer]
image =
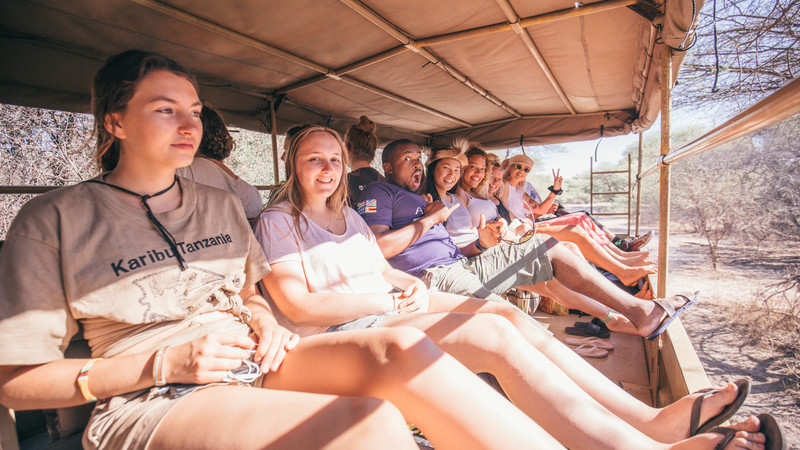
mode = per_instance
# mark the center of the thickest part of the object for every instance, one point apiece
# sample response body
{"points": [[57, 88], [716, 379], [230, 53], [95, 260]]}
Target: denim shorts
{"points": [[359, 324]]}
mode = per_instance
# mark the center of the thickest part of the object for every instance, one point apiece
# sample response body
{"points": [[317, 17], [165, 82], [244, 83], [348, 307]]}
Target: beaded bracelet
{"points": [[83, 380], [159, 379]]}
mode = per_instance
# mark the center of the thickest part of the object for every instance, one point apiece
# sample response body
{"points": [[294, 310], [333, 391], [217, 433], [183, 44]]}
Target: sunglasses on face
{"points": [[522, 239], [522, 168]]}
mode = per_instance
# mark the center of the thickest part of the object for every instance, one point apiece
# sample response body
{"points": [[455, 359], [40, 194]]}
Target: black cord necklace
{"points": [[164, 232]]}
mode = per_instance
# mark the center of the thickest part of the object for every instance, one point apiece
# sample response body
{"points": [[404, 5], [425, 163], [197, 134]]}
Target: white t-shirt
{"points": [[205, 171], [459, 224], [478, 206], [348, 263], [531, 191], [516, 203]]}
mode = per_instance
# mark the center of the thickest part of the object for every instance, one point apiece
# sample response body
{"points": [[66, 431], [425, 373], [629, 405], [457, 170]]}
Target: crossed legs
{"points": [[626, 271]]}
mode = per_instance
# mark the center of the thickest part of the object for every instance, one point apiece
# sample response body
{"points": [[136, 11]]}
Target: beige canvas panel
{"points": [[50, 49]]}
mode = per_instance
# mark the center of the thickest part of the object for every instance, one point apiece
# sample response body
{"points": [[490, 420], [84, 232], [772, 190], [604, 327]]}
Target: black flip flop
{"points": [[595, 321], [769, 427], [730, 409], [589, 330], [728, 433], [773, 431], [600, 323]]}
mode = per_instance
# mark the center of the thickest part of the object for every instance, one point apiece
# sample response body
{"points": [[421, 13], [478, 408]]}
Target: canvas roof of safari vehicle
{"points": [[494, 71]]}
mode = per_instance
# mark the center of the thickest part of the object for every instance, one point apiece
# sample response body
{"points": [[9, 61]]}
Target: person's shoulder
{"points": [[208, 192], [354, 218], [378, 189], [42, 215], [204, 164], [282, 210], [63, 197], [381, 185]]}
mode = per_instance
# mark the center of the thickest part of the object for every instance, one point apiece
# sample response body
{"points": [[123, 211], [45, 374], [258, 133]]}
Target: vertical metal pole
{"points": [[639, 188], [629, 194], [591, 186], [663, 199], [274, 126]]}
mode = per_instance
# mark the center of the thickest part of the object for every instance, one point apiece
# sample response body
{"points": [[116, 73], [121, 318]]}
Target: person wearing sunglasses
{"points": [[519, 196], [523, 201]]}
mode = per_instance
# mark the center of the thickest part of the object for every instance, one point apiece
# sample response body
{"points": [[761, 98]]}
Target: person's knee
{"points": [[516, 316], [581, 232], [572, 247], [397, 342], [561, 256], [495, 332], [508, 311], [401, 352]]}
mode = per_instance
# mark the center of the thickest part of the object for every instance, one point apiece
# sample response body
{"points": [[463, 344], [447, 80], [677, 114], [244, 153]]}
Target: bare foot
{"points": [[631, 275], [636, 260], [656, 314], [671, 424]]}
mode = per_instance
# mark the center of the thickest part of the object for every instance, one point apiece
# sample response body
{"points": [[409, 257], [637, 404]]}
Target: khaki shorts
{"points": [[129, 421], [494, 271]]}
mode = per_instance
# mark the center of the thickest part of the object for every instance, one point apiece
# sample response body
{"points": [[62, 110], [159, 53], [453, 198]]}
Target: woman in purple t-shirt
{"points": [[318, 279]]}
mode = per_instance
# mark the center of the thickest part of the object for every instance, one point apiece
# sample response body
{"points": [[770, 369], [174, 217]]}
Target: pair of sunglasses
{"points": [[522, 239], [522, 168]]}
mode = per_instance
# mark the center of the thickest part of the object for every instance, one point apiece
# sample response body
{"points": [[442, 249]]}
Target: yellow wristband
{"points": [[83, 380]]}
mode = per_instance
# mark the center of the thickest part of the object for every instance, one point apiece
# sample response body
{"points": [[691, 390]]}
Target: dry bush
{"points": [[772, 319], [42, 147]]}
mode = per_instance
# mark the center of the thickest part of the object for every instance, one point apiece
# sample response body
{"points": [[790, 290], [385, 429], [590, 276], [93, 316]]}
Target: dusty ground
{"points": [[727, 352]]}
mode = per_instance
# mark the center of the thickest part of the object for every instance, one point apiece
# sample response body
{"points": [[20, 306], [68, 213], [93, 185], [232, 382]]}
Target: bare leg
{"points": [[575, 274], [572, 299], [250, 418], [640, 255], [490, 343], [608, 233], [669, 424], [595, 253], [429, 386]]}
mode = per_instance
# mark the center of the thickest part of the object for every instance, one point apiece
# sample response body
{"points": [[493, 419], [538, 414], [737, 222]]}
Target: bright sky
{"points": [[576, 159]]}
